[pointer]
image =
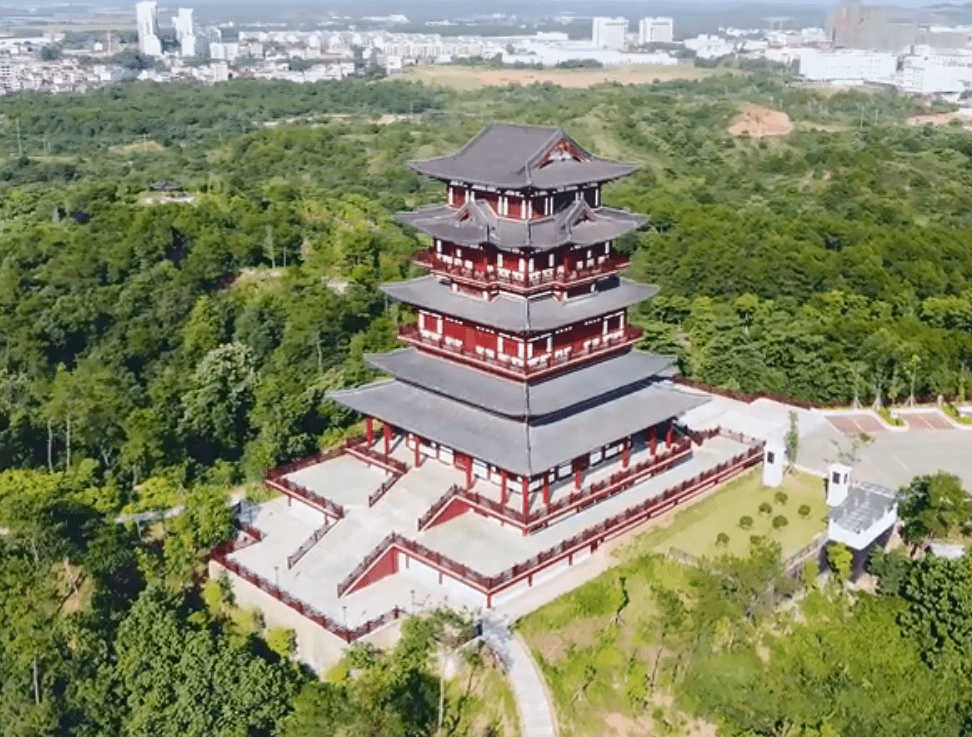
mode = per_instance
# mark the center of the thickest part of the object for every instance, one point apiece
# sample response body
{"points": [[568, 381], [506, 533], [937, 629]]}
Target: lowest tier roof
{"points": [[475, 223], [520, 314], [519, 157], [524, 448], [518, 399]]}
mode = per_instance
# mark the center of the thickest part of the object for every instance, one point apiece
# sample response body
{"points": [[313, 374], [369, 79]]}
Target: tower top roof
{"points": [[520, 157]]}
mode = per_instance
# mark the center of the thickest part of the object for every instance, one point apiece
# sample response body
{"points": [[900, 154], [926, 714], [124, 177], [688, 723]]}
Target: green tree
{"points": [[933, 507]]}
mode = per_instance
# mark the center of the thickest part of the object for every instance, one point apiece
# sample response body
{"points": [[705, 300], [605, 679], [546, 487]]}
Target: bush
{"points": [[281, 640], [804, 510], [780, 497], [780, 521], [756, 540], [722, 539], [746, 522], [766, 508]]}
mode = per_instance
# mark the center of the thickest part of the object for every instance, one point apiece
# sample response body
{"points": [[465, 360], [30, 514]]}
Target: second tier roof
{"points": [[475, 223], [520, 314]]}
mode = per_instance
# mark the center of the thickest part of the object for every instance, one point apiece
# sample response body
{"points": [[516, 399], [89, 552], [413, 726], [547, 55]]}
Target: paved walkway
{"points": [[536, 712]]}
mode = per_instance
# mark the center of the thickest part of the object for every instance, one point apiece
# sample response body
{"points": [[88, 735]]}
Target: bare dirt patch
{"points": [[963, 116], [581, 633], [757, 121], [468, 78]]}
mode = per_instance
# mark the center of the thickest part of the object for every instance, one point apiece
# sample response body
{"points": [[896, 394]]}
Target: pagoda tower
{"points": [[520, 368]]}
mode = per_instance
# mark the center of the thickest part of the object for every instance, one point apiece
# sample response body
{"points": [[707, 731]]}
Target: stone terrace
{"points": [[485, 545]]}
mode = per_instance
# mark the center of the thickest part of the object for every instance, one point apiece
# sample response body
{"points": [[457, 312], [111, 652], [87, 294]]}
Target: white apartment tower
{"points": [[610, 33], [185, 33], [656, 31], [145, 19]]}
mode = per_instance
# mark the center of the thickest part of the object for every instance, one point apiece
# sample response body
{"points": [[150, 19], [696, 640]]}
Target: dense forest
{"points": [[160, 348]]}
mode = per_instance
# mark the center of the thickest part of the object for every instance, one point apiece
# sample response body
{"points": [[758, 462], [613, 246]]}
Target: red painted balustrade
{"points": [[301, 463], [359, 448], [488, 584], [545, 364], [516, 281], [617, 482], [386, 485], [306, 546], [491, 585], [290, 488], [347, 634]]}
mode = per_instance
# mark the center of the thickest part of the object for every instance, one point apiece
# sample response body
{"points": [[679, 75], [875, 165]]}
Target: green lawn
{"points": [[595, 644], [696, 528]]}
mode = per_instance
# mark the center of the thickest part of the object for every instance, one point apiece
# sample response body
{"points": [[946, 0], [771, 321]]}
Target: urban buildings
{"points": [[656, 30], [609, 33], [149, 42], [185, 32]]}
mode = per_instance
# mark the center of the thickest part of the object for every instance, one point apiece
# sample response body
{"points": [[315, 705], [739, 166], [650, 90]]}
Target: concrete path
{"points": [[537, 717]]}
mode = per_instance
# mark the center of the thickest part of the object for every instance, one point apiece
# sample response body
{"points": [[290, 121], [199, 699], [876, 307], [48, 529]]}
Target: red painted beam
{"points": [[370, 425]]}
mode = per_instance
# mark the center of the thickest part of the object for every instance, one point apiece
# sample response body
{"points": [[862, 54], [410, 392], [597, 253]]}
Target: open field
{"points": [[474, 78], [695, 529]]}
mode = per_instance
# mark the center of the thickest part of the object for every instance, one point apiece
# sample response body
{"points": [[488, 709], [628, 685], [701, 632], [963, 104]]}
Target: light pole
{"points": [[276, 576]]}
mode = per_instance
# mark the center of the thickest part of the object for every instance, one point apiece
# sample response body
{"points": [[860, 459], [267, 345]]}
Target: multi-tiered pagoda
{"points": [[520, 368]]}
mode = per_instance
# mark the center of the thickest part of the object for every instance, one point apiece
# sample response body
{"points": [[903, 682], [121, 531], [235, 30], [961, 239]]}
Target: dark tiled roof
{"points": [[475, 223], [520, 314], [515, 156], [864, 506], [518, 399], [520, 447]]}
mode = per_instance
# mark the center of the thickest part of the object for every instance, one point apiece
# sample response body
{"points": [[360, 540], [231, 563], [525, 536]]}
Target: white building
{"points": [[848, 65], [229, 51], [609, 33], [185, 33], [146, 22], [709, 47], [656, 31]]}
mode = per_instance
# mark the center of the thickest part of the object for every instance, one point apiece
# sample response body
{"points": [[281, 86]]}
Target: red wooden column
{"points": [[503, 490], [386, 433], [469, 480], [577, 477], [626, 453], [546, 489], [653, 434], [526, 498], [418, 453], [370, 429], [668, 435]]}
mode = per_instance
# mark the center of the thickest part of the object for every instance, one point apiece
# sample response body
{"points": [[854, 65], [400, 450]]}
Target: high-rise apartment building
{"points": [[149, 43], [185, 33], [656, 31], [609, 33]]}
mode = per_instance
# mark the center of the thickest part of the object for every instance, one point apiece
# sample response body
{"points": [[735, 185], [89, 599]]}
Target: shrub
{"points": [[746, 522], [780, 521], [804, 510], [281, 640], [766, 508], [755, 539], [780, 497], [722, 539]]}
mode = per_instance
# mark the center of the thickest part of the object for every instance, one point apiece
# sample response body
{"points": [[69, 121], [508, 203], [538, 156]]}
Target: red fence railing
{"points": [[287, 486], [348, 634], [492, 584], [438, 505], [523, 281], [594, 493], [359, 448], [386, 485], [301, 463], [309, 543], [547, 363]]}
